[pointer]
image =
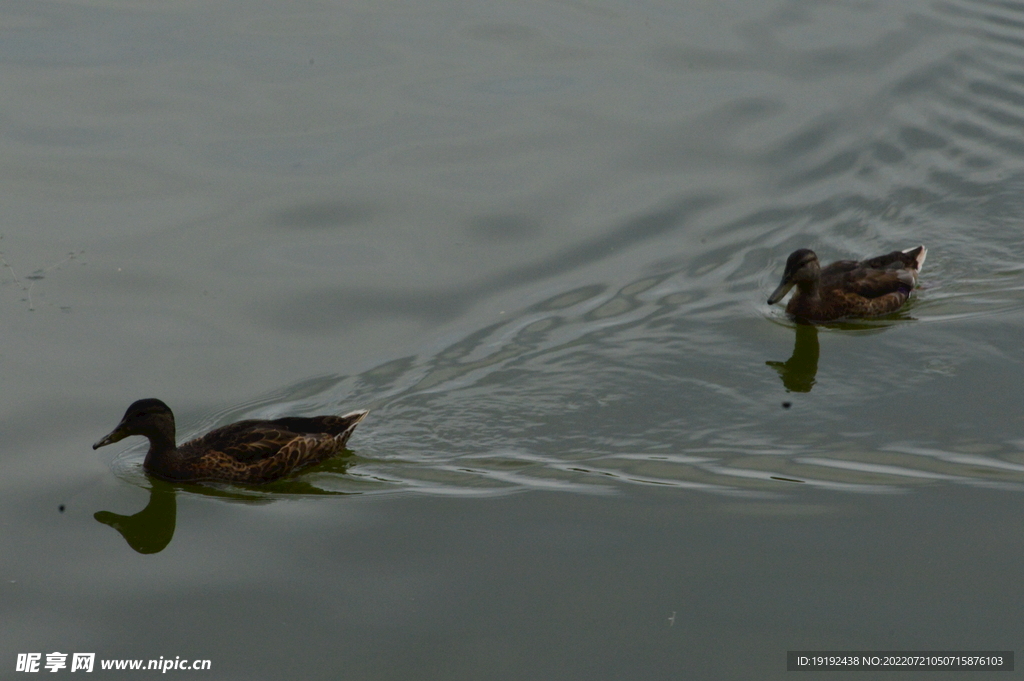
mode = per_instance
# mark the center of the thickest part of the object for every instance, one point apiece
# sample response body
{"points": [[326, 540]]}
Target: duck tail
{"points": [[352, 419], [918, 253]]}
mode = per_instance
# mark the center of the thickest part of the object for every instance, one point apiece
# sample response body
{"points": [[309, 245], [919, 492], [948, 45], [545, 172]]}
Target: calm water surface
{"points": [[536, 241]]}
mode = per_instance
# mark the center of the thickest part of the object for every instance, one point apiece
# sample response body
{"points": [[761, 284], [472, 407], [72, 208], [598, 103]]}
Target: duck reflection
{"points": [[799, 371], [151, 529]]}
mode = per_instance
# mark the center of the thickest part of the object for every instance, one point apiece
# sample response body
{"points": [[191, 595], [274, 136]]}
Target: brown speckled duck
{"points": [[848, 288], [245, 452]]}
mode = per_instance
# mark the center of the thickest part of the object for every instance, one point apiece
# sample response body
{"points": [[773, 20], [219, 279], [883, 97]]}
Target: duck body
{"points": [[252, 451], [848, 288]]}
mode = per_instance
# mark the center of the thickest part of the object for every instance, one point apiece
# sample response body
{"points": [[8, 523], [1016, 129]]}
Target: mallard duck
{"points": [[248, 451], [848, 288]]}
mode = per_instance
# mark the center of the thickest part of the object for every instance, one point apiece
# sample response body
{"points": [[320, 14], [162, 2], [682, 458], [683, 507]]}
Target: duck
{"points": [[248, 452], [848, 288]]}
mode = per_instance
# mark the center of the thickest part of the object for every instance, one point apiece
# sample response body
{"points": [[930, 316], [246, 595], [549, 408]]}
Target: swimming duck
{"points": [[247, 452], [848, 288]]}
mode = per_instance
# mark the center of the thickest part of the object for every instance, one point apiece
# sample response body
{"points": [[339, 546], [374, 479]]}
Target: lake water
{"points": [[536, 241]]}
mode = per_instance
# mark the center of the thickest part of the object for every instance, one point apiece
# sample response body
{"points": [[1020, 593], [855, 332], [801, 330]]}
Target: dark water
{"points": [[536, 241]]}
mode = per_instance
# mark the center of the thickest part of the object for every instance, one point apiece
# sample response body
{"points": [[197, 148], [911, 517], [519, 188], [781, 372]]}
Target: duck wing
{"points": [[894, 272], [254, 440], [261, 451], [298, 452], [256, 453], [912, 258], [245, 441], [872, 283], [329, 425]]}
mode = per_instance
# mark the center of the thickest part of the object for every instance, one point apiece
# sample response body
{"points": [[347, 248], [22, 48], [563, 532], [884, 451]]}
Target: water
{"points": [[536, 241]]}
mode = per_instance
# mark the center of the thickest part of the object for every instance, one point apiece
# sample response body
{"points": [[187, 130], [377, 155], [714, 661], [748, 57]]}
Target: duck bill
{"points": [[781, 291], [115, 435]]}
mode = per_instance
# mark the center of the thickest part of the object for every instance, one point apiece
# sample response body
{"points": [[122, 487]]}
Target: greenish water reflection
{"points": [[151, 529], [799, 371]]}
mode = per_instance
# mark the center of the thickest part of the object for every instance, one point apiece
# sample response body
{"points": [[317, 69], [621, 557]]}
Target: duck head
{"points": [[801, 267], [150, 417]]}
